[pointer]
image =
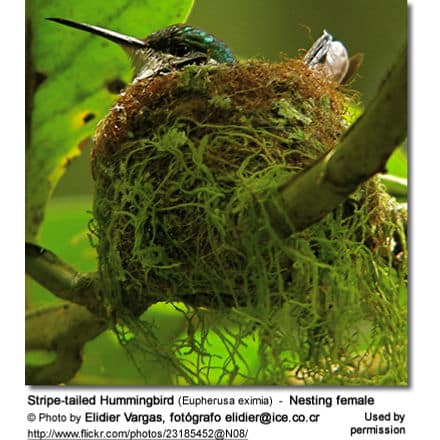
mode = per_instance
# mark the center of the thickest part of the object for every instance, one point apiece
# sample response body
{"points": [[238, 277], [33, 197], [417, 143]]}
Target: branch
{"points": [[364, 150], [62, 280], [64, 330]]}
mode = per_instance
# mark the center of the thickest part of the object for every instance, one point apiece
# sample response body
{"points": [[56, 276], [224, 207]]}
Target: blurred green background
{"points": [[252, 28], [259, 28]]}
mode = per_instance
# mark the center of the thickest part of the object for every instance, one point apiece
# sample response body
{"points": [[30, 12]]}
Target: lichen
{"points": [[182, 181]]}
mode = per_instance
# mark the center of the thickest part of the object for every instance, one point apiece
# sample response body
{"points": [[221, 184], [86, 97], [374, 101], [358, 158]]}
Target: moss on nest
{"points": [[183, 166]]}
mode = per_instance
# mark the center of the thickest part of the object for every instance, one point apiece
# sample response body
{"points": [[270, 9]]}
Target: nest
{"points": [[184, 165]]}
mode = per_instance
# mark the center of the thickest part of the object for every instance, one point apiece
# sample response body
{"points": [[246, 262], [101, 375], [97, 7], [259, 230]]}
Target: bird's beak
{"points": [[123, 40]]}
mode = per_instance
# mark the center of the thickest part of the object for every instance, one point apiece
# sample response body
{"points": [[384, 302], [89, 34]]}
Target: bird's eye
{"points": [[181, 50]]}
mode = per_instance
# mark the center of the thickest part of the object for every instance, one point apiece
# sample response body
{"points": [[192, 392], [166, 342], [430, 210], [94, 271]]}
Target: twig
{"points": [[62, 280], [64, 330]]}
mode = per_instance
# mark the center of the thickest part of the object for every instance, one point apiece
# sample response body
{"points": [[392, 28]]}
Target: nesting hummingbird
{"points": [[176, 46], [166, 50]]}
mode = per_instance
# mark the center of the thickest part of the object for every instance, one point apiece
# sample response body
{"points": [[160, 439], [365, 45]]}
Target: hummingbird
{"points": [[178, 45], [163, 51], [332, 57]]}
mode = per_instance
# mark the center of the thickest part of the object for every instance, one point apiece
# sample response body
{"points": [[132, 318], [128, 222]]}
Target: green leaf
{"points": [[397, 164], [395, 179], [76, 72], [396, 186]]}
